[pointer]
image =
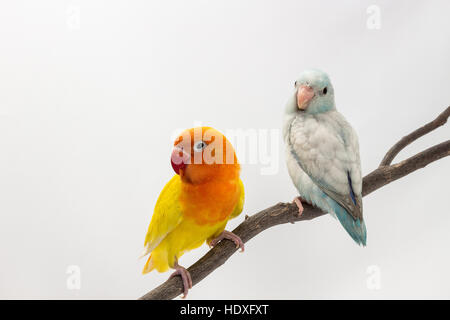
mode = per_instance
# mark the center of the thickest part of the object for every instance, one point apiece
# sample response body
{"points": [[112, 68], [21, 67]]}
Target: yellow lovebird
{"points": [[196, 204]]}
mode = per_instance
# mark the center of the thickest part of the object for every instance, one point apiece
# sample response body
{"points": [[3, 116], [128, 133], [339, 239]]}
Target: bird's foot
{"points": [[230, 236], [185, 277], [298, 201]]}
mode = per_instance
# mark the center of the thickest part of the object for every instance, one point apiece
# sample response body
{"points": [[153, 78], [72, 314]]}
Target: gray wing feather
{"points": [[314, 164]]}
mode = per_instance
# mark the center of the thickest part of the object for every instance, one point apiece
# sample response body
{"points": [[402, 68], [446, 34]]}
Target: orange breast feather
{"points": [[211, 202]]}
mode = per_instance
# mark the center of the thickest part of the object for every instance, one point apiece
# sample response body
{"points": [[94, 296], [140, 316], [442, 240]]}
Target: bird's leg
{"points": [[298, 201], [185, 277], [230, 236]]}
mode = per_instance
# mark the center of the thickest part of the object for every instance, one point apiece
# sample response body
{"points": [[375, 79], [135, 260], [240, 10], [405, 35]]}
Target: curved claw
{"points": [[185, 277], [230, 236], [298, 202]]}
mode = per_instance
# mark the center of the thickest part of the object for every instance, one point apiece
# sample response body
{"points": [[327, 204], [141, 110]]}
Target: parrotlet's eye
{"points": [[325, 90], [199, 146]]}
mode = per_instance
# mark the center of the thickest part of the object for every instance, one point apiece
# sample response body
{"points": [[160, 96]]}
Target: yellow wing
{"points": [[166, 215], [240, 205]]}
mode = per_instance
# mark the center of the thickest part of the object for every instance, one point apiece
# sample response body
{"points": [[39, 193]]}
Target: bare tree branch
{"points": [[386, 174], [288, 212], [416, 134]]}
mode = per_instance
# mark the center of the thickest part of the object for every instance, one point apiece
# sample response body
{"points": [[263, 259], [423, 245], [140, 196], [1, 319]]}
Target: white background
{"points": [[92, 91]]}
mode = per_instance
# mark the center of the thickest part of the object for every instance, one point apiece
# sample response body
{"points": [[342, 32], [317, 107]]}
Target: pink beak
{"points": [[179, 159], [304, 95]]}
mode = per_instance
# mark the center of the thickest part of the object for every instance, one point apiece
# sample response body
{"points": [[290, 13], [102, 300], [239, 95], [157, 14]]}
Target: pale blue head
{"points": [[314, 92]]}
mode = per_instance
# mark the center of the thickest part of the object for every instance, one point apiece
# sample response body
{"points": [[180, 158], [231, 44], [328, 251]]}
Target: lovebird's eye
{"points": [[295, 84], [325, 90], [199, 146]]}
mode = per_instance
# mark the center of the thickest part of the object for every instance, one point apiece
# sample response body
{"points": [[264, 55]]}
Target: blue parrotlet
{"points": [[322, 153]]}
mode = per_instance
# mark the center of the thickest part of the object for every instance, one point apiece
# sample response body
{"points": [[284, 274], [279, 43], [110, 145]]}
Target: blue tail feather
{"points": [[355, 228]]}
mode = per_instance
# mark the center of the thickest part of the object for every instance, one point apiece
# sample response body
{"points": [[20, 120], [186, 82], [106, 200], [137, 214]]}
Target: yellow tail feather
{"points": [[149, 266]]}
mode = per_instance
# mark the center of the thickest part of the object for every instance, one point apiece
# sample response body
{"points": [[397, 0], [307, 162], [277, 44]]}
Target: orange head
{"points": [[203, 153]]}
